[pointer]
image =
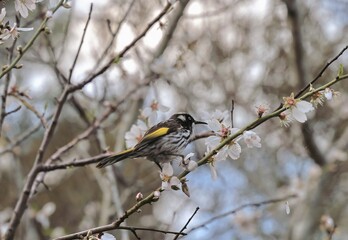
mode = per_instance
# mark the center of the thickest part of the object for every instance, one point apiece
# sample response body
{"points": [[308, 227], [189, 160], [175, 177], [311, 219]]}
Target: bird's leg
{"points": [[159, 165]]}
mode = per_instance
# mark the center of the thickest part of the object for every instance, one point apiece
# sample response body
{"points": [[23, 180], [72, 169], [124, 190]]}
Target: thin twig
{"points": [[114, 34], [125, 50], [14, 110], [255, 205], [31, 108], [81, 42], [150, 230], [187, 223], [321, 72], [6, 87], [128, 228], [24, 136], [232, 113]]}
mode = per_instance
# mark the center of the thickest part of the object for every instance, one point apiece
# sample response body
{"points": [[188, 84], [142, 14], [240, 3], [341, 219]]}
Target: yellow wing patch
{"points": [[124, 152], [155, 134]]}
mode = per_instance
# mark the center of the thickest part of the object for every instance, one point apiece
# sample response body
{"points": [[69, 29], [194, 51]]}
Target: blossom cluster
{"points": [[220, 123], [297, 109], [7, 31]]}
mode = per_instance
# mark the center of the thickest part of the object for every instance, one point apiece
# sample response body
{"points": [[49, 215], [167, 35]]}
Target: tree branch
{"points": [[248, 205]]}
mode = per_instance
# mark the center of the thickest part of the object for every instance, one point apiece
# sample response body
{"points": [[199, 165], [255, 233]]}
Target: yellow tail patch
{"points": [[124, 152], [158, 133]]}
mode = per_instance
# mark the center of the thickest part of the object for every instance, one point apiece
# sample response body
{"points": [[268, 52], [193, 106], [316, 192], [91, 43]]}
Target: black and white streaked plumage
{"points": [[160, 143]]}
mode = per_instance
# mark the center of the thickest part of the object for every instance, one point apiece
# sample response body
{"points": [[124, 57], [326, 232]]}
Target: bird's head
{"points": [[185, 120]]}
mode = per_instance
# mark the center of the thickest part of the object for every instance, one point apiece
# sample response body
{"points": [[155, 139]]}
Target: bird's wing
{"points": [[156, 132]]}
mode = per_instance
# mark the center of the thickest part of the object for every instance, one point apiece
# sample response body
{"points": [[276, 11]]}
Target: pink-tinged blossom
{"points": [[220, 124], [262, 109], [317, 99], [298, 108], [151, 113], [285, 118], [139, 196]]}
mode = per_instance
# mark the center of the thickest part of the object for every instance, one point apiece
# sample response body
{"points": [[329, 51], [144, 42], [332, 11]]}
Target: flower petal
{"points": [[213, 171], [234, 151], [304, 106], [167, 169], [298, 115], [192, 165], [212, 141], [214, 125]]}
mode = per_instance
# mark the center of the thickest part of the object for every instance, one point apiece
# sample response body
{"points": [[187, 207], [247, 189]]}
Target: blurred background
{"points": [[198, 58]]}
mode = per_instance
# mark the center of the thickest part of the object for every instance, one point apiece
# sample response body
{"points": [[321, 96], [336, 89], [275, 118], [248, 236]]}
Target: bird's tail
{"points": [[116, 158]]}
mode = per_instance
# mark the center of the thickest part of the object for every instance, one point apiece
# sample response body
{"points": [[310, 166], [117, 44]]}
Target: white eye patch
{"points": [[182, 118]]}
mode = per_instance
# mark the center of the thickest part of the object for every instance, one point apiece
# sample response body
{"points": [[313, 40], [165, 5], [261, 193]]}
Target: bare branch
{"points": [[81, 42], [187, 223], [234, 211]]}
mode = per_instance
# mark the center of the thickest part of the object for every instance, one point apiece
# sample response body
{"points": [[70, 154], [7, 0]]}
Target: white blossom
{"points": [[139, 196], [213, 170], [162, 68], [151, 113], [43, 215], [156, 194], [67, 4], [13, 32], [107, 236], [251, 139], [220, 124], [22, 6], [287, 208], [2, 14], [135, 134], [329, 93], [298, 108], [188, 164], [168, 180], [49, 14]]}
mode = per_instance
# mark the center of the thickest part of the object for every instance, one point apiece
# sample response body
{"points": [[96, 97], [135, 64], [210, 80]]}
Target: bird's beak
{"points": [[199, 122]]}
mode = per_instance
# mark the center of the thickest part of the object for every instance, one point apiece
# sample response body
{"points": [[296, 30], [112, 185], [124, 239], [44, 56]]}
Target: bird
{"points": [[160, 143]]}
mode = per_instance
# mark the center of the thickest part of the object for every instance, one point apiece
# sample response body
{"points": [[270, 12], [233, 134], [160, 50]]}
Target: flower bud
{"points": [[139, 197]]}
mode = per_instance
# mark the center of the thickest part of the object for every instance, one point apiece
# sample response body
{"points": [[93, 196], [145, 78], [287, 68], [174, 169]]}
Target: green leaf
{"points": [[340, 71]]}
